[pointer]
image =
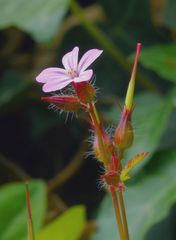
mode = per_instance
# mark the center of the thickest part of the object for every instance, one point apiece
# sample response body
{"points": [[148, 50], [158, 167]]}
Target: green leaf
{"points": [[150, 118], [131, 164], [67, 227], [161, 59], [13, 216], [169, 18], [147, 202], [40, 18]]}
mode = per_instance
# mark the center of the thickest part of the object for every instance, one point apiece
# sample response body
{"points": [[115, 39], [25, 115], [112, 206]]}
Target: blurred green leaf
{"points": [[122, 12], [169, 18], [161, 59], [40, 18], [13, 216], [67, 227], [168, 140], [150, 120], [147, 202]]}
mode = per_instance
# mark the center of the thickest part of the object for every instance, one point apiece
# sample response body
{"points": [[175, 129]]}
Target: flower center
{"points": [[73, 73]]}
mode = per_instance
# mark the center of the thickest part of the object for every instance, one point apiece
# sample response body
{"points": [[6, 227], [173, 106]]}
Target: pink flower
{"points": [[57, 78]]}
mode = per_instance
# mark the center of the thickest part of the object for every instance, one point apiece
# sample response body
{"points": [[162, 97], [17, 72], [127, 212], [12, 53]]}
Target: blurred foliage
{"points": [[13, 209], [161, 59], [36, 142], [69, 226], [38, 18]]}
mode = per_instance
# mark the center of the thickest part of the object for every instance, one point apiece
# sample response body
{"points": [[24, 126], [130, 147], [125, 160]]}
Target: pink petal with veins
{"points": [[70, 60], [88, 58], [52, 74], [84, 76], [56, 85]]}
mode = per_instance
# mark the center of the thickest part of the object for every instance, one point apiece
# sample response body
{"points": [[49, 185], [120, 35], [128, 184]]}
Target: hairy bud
{"points": [[65, 103], [84, 91], [108, 145]]}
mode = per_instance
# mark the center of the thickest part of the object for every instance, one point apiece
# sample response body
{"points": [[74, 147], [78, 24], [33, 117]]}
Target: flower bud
{"points": [[65, 103], [84, 91], [108, 145], [123, 137]]}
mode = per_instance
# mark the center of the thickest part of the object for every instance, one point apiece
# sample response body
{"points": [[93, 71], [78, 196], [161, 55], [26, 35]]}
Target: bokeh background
{"points": [[37, 142]]}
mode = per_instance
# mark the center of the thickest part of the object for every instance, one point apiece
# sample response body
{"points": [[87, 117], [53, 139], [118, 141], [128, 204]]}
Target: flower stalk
{"points": [[96, 122], [108, 149], [121, 228], [123, 212], [117, 198]]}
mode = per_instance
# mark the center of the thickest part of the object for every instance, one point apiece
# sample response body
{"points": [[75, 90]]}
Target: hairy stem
{"points": [[95, 119], [121, 218]]}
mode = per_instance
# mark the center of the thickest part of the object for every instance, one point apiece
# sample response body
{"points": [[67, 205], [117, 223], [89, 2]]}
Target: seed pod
{"points": [[131, 86], [123, 137]]}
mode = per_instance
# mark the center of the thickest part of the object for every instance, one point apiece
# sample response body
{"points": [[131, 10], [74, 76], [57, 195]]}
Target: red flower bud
{"points": [[65, 103], [84, 91], [107, 144], [123, 137]]}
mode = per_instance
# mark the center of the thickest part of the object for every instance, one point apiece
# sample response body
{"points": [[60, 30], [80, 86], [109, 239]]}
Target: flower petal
{"points": [[88, 58], [52, 74], [84, 76], [70, 59], [56, 85]]}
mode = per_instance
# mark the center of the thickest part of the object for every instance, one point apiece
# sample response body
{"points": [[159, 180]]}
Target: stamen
{"points": [[73, 73]]}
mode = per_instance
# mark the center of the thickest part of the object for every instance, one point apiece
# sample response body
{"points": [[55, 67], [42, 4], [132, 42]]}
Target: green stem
{"points": [[123, 212], [118, 216], [108, 45], [121, 203]]}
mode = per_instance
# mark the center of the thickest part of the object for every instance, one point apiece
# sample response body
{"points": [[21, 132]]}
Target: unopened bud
{"points": [[123, 137], [65, 103], [85, 92], [107, 145]]}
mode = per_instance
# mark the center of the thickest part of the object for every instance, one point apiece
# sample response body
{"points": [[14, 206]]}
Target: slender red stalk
{"points": [[31, 235]]}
